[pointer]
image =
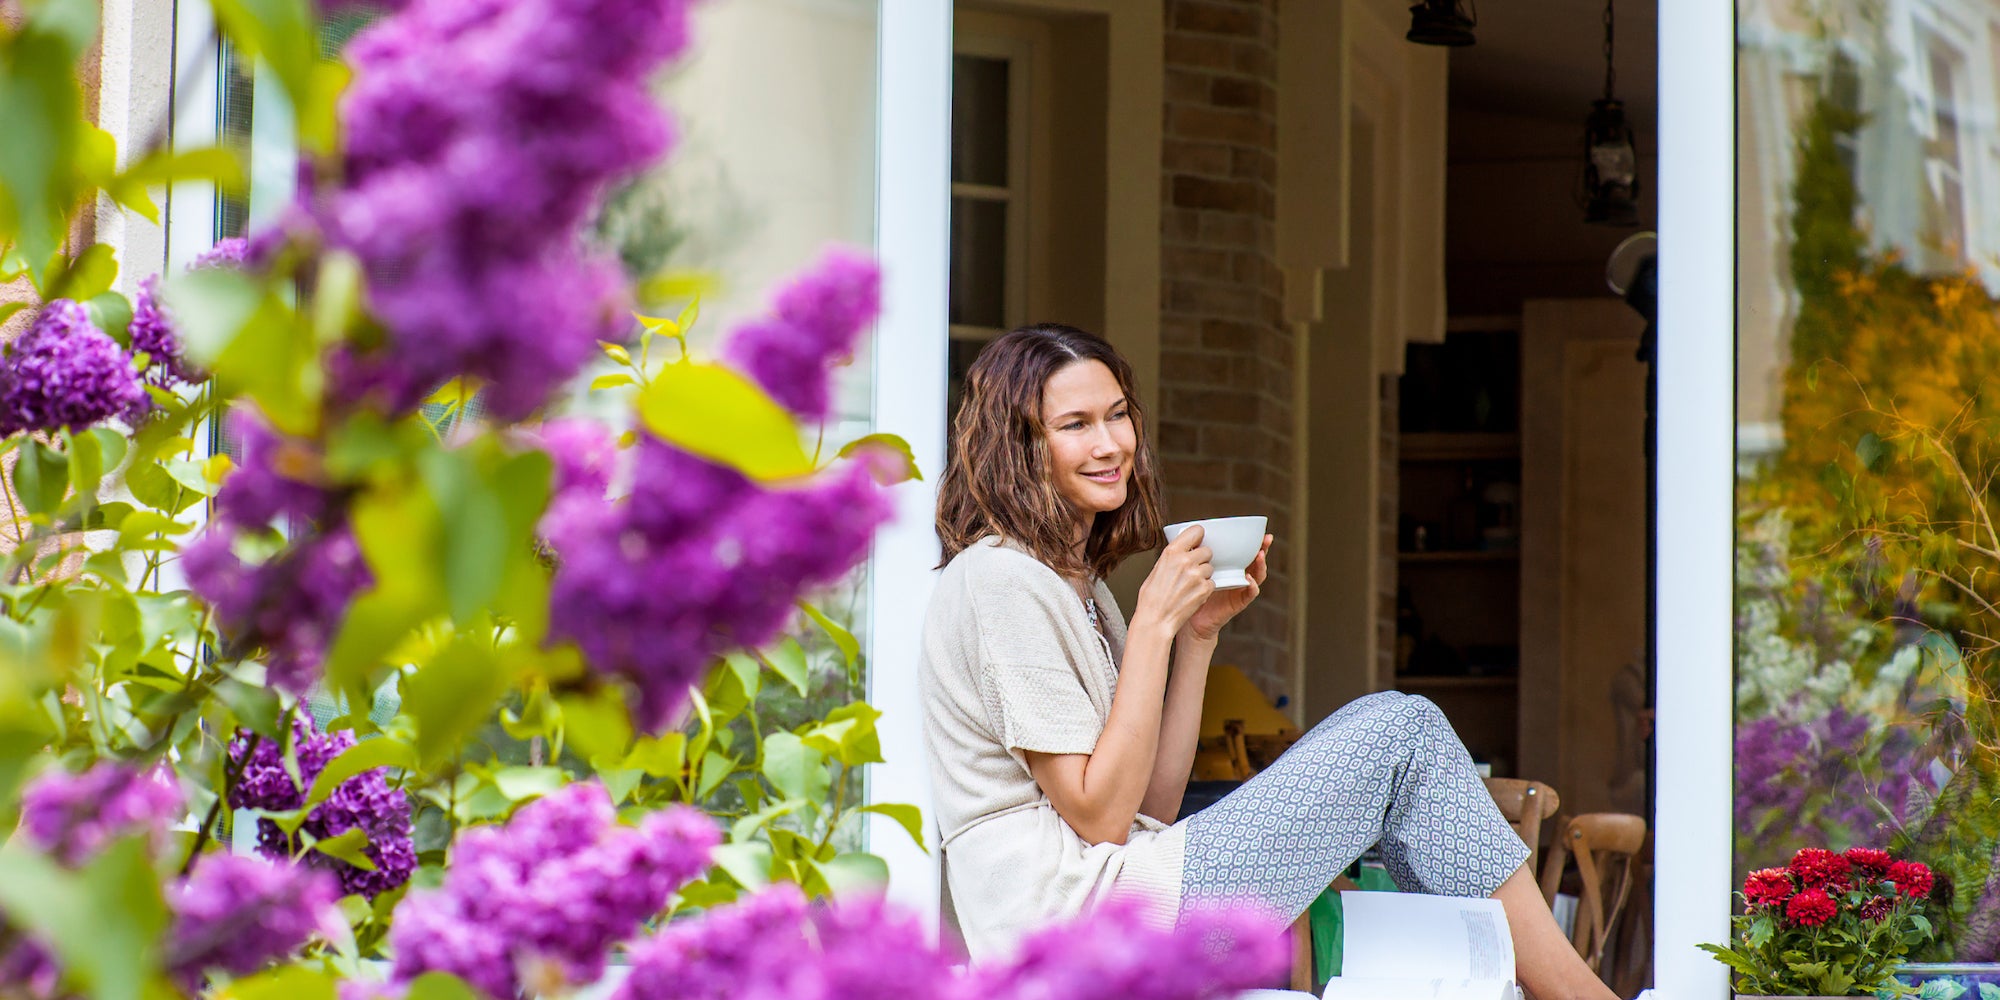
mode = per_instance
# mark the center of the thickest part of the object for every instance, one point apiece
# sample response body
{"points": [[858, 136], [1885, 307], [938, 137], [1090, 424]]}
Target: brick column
{"points": [[1226, 359]]}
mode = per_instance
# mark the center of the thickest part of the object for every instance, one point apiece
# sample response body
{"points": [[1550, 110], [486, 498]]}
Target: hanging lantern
{"points": [[1610, 163], [1442, 22], [1611, 167]]}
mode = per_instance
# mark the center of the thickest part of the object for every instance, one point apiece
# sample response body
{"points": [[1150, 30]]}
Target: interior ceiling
{"points": [[1545, 58]]}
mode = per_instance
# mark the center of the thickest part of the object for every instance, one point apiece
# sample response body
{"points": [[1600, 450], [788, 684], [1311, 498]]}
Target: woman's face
{"points": [[1091, 439]]}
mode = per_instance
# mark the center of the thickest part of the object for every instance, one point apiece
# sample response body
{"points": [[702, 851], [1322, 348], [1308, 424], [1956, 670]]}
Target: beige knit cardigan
{"points": [[1011, 664]]}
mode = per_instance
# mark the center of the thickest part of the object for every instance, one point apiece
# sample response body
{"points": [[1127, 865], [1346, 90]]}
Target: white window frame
{"points": [[1697, 360], [913, 228]]}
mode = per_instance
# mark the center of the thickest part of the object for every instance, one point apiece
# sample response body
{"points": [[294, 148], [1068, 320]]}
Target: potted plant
{"points": [[1827, 925]]}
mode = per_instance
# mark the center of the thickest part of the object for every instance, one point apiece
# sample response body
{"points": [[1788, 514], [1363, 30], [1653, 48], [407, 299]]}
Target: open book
{"points": [[1405, 946]]}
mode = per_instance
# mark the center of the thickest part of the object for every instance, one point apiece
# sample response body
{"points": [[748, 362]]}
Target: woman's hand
{"points": [[1222, 605], [1178, 584]]}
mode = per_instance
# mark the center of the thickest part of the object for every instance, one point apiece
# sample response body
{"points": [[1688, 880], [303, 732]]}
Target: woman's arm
{"points": [[1180, 725], [1099, 793], [1180, 728]]}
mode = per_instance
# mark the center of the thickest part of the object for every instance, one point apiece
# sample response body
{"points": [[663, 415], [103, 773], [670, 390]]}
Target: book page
{"points": [[1406, 935]]}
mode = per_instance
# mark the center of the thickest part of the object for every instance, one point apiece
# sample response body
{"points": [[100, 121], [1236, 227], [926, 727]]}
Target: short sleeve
{"points": [[1040, 708], [1029, 674]]}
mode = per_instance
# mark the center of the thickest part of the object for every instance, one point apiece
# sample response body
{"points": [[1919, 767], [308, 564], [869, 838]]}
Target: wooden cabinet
{"points": [[1531, 624]]}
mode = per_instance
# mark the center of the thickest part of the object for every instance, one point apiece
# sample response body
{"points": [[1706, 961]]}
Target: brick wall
{"points": [[1226, 361]]}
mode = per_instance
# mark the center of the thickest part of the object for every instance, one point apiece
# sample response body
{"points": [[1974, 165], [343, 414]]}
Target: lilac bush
{"points": [[514, 603], [365, 802], [544, 898]]}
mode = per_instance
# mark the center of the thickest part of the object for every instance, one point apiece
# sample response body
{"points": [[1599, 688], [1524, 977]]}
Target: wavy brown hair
{"points": [[1000, 480]]}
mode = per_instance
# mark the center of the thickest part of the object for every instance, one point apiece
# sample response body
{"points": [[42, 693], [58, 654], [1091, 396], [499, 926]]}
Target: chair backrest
{"points": [[1525, 804], [1604, 846]]}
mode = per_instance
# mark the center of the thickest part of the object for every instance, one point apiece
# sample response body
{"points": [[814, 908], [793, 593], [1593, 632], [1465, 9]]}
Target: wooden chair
{"points": [[1604, 846], [1526, 804]]}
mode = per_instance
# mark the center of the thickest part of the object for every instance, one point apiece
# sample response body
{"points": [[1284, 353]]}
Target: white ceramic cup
{"points": [[1232, 544]]}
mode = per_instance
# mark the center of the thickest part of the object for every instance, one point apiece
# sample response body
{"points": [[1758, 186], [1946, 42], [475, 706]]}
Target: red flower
{"points": [[1768, 887], [1877, 908], [1818, 868], [1912, 878], [1869, 863], [1811, 908]]}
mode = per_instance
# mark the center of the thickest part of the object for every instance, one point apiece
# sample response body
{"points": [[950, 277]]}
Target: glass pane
{"points": [[979, 120], [978, 262], [1867, 348]]}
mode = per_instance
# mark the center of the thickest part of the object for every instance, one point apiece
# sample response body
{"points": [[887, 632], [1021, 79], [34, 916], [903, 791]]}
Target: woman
{"points": [[1061, 739]]}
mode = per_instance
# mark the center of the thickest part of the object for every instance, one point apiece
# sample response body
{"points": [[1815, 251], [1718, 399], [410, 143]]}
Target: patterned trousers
{"points": [[1386, 769]]}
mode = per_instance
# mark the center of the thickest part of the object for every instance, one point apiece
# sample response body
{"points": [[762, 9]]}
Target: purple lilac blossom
{"points": [[479, 135], [1119, 951], [290, 605], [548, 894], [276, 477], [65, 372], [696, 561], [775, 944], [28, 964], [153, 335], [364, 802], [817, 319], [232, 251], [235, 913], [73, 816]]}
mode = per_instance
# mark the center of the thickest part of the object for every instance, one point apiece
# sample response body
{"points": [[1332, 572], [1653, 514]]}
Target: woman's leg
{"points": [[1544, 960], [1386, 769]]}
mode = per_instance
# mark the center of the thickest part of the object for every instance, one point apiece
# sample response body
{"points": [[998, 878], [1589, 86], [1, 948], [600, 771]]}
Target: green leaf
{"points": [[8, 309], [909, 817], [451, 696], [796, 770], [41, 114], [856, 871], [848, 734], [440, 986], [748, 863], [850, 649], [615, 352], [716, 767], [518, 783], [291, 982], [349, 846], [746, 828], [888, 457], [662, 756], [596, 723], [716, 413], [280, 33], [367, 755], [165, 166], [142, 523], [1871, 450], [89, 275], [611, 381], [41, 477], [787, 659], [112, 313]]}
